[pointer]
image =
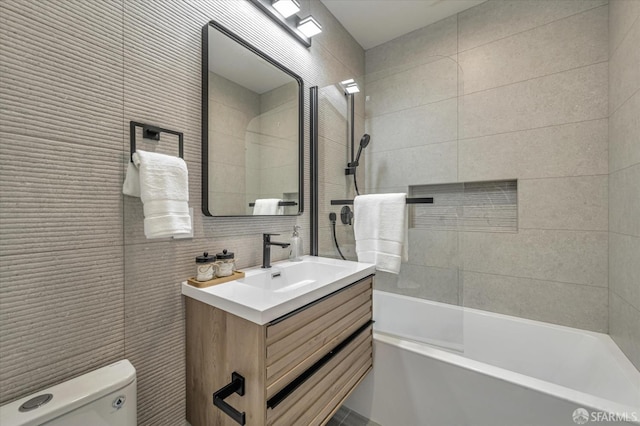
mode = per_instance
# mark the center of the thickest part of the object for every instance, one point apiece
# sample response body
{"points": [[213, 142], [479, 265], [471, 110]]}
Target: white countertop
{"points": [[255, 298]]}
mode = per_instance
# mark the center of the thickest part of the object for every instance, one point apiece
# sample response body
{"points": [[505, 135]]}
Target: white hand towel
{"points": [[163, 187], [131, 185], [380, 229], [268, 206]]}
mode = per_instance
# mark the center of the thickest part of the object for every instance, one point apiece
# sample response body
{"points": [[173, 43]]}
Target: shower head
{"points": [[364, 141]]}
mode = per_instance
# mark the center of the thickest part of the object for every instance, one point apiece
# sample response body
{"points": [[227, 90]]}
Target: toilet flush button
{"points": [[35, 402], [119, 402]]}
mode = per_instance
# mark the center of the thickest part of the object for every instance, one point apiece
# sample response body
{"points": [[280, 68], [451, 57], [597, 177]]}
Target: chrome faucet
{"points": [[266, 249]]}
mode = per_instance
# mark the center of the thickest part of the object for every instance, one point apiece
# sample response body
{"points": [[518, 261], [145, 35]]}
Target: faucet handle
{"points": [[267, 237]]}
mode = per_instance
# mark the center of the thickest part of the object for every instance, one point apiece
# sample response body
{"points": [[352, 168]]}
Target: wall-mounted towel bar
{"points": [[409, 201], [280, 203], [152, 132]]}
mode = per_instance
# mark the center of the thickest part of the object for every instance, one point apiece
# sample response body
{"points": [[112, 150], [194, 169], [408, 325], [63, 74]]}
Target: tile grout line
{"points": [[536, 27], [562, 177], [624, 102], [624, 37], [124, 144], [624, 300], [624, 235], [537, 279], [624, 168], [534, 128], [537, 77]]}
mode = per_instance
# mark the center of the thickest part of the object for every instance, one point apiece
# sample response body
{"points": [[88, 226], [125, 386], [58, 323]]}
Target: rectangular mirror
{"points": [[251, 130]]}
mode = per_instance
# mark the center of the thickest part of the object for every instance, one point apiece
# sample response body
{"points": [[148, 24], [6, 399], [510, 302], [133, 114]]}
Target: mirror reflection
{"points": [[253, 120]]}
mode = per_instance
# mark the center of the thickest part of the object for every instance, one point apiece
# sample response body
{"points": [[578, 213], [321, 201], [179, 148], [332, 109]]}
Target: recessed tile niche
{"points": [[467, 206]]}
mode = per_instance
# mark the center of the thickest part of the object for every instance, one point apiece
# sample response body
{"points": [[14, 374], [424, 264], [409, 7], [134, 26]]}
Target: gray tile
{"points": [[624, 69], [566, 150], [537, 52], [438, 284], [422, 125], [420, 46], [622, 14], [578, 257], [335, 38], [572, 305], [624, 133], [333, 115], [332, 161], [433, 248], [435, 163], [624, 327], [423, 84], [341, 414], [624, 268], [579, 203], [355, 419], [570, 96], [158, 356], [624, 201], [497, 19], [232, 95], [77, 317]]}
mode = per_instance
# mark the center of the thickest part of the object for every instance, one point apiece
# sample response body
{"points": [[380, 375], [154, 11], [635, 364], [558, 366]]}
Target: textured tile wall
{"points": [[73, 75], [505, 90], [624, 178], [61, 258]]}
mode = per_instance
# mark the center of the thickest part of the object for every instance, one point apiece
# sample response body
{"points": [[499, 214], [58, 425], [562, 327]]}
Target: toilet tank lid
{"points": [[69, 395]]}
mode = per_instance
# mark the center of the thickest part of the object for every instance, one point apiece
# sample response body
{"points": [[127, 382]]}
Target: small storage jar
{"points": [[205, 267]]}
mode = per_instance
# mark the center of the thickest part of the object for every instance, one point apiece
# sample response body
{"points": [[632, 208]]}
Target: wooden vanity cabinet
{"points": [[298, 369]]}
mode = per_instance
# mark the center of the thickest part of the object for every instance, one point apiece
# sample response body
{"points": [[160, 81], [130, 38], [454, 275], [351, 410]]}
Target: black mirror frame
{"points": [[205, 115]]}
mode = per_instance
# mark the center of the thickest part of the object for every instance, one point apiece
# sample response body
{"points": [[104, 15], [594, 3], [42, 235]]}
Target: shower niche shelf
{"points": [[490, 206]]}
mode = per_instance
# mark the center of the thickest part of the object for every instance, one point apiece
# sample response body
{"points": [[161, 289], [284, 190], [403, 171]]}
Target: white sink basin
{"points": [[266, 294], [292, 276]]}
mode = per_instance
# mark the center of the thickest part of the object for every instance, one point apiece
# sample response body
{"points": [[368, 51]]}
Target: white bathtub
{"points": [[489, 369]]}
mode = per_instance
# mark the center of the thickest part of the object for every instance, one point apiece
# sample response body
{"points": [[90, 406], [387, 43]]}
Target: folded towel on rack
{"points": [[131, 185], [163, 186], [268, 206], [380, 228]]}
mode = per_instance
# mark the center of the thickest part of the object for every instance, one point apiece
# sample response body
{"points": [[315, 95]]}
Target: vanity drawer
{"points": [[323, 392], [297, 342]]}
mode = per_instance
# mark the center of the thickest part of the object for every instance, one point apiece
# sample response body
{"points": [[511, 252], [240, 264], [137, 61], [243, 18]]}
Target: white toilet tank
{"points": [[104, 397]]}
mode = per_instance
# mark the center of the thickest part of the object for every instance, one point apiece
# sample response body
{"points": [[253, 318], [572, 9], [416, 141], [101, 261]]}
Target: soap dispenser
{"points": [[296, 246]]}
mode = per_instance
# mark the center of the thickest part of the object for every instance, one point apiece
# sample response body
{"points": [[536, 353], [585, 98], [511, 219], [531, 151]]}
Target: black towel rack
{"points": [[280, 203], [428, 200], [152, 132]]}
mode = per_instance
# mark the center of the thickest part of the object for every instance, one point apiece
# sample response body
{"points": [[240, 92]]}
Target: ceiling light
{"points": [[309, 26], [347, 82], [352, 88], [286, 8]]}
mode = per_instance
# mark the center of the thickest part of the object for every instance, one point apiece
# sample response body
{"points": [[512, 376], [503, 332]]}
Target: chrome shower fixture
{"points": [[351, 167]]}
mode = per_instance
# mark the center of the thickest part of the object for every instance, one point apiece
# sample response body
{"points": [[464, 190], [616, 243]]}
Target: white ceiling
{"points": [[373, 22]]}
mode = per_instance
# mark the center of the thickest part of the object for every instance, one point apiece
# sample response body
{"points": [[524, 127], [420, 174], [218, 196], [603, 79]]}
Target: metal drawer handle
{"points": [[297, 382], [236, 386]]}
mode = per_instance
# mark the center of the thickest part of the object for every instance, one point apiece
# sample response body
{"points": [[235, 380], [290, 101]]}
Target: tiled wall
{"points": [[334, 136], [80, 285], [232, 107], [505, 90], [624, 176]]}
